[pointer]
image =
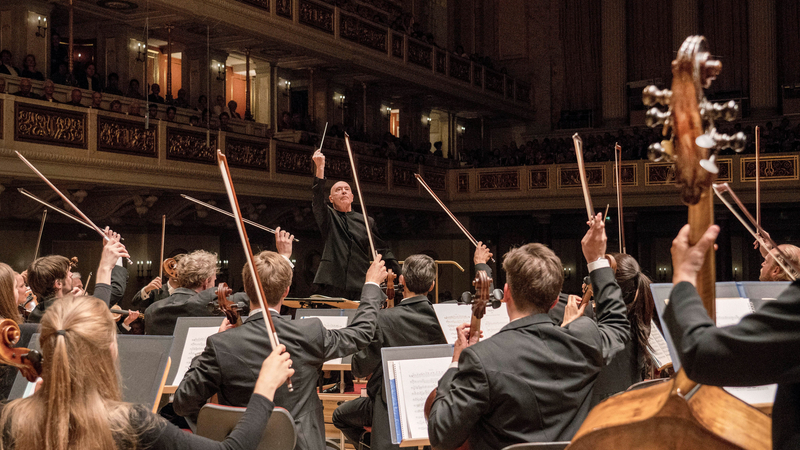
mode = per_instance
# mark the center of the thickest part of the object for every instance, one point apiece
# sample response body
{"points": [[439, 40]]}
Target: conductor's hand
{"points": [[688, 259], [482, 254], [319, 162], [153, 285], [594, 243], [377, 271], [275, 370], [572, 310], [283, 242]]}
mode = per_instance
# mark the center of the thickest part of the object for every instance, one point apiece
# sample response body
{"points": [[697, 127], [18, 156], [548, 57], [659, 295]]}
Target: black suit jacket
{"points": [[161, 316], [761, 349], [346, 257], [230, 364], [155, 295], [532, 381]]}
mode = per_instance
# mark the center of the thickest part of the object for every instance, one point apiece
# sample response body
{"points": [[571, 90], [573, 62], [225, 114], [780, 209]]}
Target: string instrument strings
{"points": [[41, 230], [618, 176], [754, 228], [65, 198], [54, 208], [222, 211], [578, 142], [360, 197], [163, 234], [222, 161], [450, 214]]}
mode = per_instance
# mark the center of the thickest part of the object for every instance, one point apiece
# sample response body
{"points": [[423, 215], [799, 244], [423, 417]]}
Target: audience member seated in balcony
{"points": [[6, 64], [2, 85], [133, 90], [29, 69], [286, 122], [89, 79], [194, 121], [112, 87], [97, 101], [460, 52], [61, 75], [219, 106], [152, 111], [202, 104], [25, 89], [209, 121], [115, 106], [154, 96], [232, 105], [224, 121], [58, 53], [182, 101], [75, 98], [438, 149], [49, 90], [171, 113], [135, 109]]}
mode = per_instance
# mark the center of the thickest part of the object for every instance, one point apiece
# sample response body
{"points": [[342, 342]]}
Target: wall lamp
{"points": [[140, 52], [42, 27], [220, 72]]}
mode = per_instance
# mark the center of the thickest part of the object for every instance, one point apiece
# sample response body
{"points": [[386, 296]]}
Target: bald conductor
{"points": [[347, 252]]}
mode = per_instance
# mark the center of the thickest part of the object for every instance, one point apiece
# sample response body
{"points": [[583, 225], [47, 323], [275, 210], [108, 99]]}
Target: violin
{"points": [[392, 289], [225, 306], [588, 294], [29, 362]]}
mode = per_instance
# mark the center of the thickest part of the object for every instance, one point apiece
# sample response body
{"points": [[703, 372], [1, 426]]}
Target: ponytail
{"points": [[56, 432]]}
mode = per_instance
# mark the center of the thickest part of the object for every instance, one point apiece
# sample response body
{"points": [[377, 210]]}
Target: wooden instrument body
{"points": [[29, 362]]}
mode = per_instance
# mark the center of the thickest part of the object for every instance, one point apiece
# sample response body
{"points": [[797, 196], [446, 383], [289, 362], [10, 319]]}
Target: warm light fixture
{"points": [[139, 52], [42, 27], [220, 72]]}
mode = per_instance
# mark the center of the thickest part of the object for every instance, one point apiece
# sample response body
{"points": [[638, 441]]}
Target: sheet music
{"points": [[658, 346], [731, 310], [451, 315], [195, 344], [330, 323], [754, 394], [418, 377]]}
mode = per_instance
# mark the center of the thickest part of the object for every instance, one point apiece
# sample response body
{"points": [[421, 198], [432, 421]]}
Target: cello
{"points": [[681, 413], [29, 362]]}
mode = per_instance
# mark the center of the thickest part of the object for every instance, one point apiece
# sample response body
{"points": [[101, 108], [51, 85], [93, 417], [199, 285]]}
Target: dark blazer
{"points": [[411, 322], [230, 364], [346, 257], [101, 290], [761, 349], [161, 316], [532, 381], [155, 295]]}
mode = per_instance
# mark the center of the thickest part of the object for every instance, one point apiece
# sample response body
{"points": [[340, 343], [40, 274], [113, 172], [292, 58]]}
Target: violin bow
{"points": [[582, 172], [458, 224], [222, 211], [53, 207], [163, 233], [360, 198], [66, 199], [222, 161], [41, 230], [618, 176], [758, 175]]}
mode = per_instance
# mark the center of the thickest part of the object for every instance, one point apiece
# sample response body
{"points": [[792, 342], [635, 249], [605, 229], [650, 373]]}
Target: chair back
{"points": [[538, 446], [217, 421]]}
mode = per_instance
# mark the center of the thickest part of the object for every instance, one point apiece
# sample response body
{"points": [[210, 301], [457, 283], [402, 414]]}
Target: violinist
{"points": [[9, 295], [227, 364], [79, 403], [771, 270], [411, 322], [761, 349], [155, 290], [533, 380], [26, 301]]}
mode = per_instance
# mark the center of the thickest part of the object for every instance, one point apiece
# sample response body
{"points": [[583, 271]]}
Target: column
{"points": [[199, 67], [685, 21], [311, 103], [762, 52], [614, 62], [266, 90]]}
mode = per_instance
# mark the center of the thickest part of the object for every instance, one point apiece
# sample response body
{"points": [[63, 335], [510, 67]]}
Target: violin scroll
{"points": [[29, 362], [225, 306]]}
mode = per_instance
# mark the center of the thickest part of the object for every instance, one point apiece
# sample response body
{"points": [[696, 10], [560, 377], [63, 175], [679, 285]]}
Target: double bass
{"points": [[681, 413]]}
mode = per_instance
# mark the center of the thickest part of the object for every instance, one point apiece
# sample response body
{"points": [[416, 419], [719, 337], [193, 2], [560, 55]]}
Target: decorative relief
{"points": [[463, 182], [360, 32], [659, 174], [630, 176], [494, 82], [725, 170], [122, 136], [569, 177], [420, 54], [190, 146], [459, 69], [337, 167], [404, 175], [540, 179], [316, 15], [1, 119], [262, 4], [51, 126], [773, 168], [397, 45], [294, 161], [441, 62], [436, 179], [494, 181], [284, 8], [371, 172], [247, 154]]}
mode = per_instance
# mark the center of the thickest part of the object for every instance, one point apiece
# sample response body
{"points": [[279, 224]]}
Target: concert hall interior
{"points": [[455, 123]]}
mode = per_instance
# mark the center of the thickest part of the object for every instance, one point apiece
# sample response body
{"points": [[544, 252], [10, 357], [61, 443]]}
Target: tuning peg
{"points": [[652, 95], [654, 117], [710, 165]]}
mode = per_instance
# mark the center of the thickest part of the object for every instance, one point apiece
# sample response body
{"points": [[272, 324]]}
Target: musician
{"points": [[761, 349], [226, 366], [411, 322], [9, 293], [347, 252], [533, 380], [155, 290], [197, 272], [79, 404], [772, 271]]}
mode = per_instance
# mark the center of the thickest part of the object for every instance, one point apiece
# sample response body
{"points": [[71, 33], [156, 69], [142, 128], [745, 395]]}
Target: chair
{"points": [[538, 446], [217, 421]]}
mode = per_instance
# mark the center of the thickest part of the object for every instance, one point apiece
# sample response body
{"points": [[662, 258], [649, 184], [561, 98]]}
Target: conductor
{"points": [[347, 252]]}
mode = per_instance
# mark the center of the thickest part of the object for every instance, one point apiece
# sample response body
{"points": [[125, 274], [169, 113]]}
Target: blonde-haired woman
{"points": [[10, 291], [79, 404]]}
